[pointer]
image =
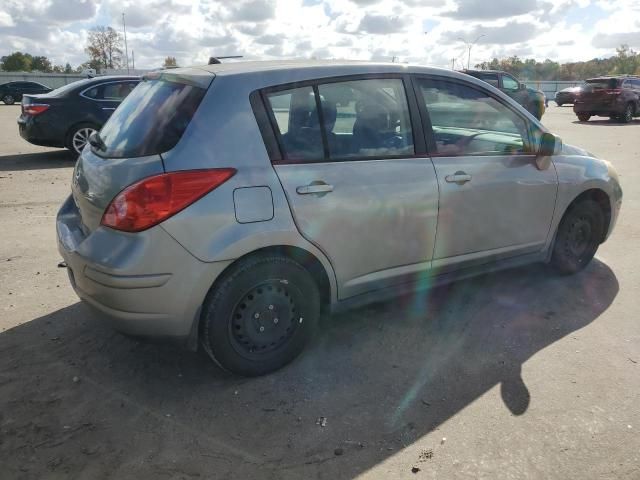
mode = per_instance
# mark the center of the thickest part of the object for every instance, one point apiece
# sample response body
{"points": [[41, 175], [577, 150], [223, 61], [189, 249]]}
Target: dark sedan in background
{"points": [[568, 95], [12, 92], [67, 116]]}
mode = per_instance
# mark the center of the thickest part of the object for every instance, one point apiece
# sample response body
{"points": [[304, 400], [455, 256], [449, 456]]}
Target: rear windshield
{"points": [[150, 120], [60, 91], [602, 83]]}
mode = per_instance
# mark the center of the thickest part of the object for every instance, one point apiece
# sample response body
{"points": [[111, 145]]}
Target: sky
{"points": [[433, 32]]}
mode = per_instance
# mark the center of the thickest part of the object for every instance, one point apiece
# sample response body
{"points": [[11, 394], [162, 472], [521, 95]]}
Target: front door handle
{"points": [[459, 177], [319, 187]]}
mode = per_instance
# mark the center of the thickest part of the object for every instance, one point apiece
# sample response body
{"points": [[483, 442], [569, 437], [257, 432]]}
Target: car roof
{"points": [[484, 71], [340, 67], [276, 72]]}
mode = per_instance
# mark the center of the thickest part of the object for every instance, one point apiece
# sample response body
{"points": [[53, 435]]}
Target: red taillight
{"points": [[154, 199], [34, 108]]}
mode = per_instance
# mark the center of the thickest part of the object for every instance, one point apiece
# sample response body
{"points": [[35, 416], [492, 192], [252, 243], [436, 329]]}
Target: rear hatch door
{"points": [[148, 123]]}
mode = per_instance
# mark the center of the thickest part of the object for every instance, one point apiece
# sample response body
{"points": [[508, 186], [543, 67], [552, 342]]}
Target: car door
{"points": [[494, 201], [359, 187], [511, 87]]}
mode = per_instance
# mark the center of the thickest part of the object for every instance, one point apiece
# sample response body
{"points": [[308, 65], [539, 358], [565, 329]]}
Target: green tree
{"points": [[104, 47], [41, 64], [17, 62], [170, 62], [68, 68]]}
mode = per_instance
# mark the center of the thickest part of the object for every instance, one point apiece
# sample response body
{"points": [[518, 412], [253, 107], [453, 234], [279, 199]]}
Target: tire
{"points": [[73, 141], [584, 117], [559, 104], [580, 232], [260, 316], [627, 115], [8, 99]]}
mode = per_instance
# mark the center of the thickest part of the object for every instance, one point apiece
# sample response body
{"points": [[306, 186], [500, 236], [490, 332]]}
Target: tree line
{"points": [[104, 51], [625, 62]]}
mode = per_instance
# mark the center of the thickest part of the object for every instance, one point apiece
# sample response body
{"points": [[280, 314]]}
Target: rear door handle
{"points": [[459, 177], [314, 188]]}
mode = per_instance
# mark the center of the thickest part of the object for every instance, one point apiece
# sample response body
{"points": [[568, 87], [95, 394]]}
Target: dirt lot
{"points": [[519, 374]]}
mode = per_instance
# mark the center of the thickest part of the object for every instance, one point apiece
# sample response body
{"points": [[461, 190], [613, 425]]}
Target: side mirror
{"points": [[549, 145]]}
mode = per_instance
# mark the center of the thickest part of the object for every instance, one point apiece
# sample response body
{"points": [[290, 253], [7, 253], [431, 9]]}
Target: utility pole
{"points": [[453, 64], [126, 49], [133, 60]]}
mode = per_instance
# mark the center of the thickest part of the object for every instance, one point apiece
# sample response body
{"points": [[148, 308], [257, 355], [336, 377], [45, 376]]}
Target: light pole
{"points": [[470, 46], [126, 49]]}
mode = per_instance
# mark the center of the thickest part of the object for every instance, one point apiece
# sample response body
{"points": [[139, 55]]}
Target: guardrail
{"points": [[51, 80], [550, 87]]}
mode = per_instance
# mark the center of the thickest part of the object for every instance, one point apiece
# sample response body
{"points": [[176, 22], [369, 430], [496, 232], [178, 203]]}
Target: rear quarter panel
{"points": [[224, 133]]}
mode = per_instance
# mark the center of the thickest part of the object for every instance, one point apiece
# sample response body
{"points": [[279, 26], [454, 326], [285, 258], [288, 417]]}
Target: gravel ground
{"points": [[518, 374]]}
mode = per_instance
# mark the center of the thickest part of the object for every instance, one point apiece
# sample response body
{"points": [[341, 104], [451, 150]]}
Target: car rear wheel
{"points": [[580, 232], [559, 104], [8, 100], [78, 137], [627, 116], [584, 117], [260, 316]]}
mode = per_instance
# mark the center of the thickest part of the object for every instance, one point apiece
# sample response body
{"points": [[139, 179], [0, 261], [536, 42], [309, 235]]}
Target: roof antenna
{"points": [[216, 60]]}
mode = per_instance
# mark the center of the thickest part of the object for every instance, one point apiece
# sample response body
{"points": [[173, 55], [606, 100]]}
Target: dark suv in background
{"points": [[12, 92], [67, 116], [530, 98], [615, 97]]}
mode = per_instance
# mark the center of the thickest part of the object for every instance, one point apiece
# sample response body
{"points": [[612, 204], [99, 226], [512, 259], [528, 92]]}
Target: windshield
{"points": [[150, 120]]}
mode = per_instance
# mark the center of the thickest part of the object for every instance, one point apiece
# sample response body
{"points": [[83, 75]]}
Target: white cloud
{"points": [[193, 30]]}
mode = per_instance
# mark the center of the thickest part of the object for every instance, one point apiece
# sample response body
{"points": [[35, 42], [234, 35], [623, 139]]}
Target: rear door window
{"points": [[298, 125], [357, 119], [490, 78], [117, 91], [366, 118], [151, 119]]}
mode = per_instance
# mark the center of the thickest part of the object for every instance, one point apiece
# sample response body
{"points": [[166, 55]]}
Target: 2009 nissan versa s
{"points": [[231, 204]]}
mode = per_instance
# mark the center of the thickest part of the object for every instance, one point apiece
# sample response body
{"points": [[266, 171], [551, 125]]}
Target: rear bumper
{"points": [[144, 284], [34, 132]]}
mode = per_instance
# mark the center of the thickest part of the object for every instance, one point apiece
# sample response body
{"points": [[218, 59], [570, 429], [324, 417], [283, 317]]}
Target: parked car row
{"points": [[12, 92], [232, 213], [67, 116]]}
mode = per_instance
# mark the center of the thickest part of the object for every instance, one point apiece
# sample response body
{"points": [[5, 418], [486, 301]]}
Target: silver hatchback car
{"points": [[230, 205]]}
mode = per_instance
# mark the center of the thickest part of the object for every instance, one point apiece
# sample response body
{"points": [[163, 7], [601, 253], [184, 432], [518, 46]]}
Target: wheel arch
{"points": [[599, 196], [71, 129], [304, 257]]}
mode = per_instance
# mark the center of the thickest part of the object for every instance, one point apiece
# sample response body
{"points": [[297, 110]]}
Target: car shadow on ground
{"points": [[607, 123], [79, 400], [38, 161]]}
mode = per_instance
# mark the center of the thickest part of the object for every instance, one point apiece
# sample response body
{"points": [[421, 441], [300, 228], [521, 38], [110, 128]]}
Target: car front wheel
{"points": [[580, 232], [260, 316], [8, 100], [584, 117]]}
